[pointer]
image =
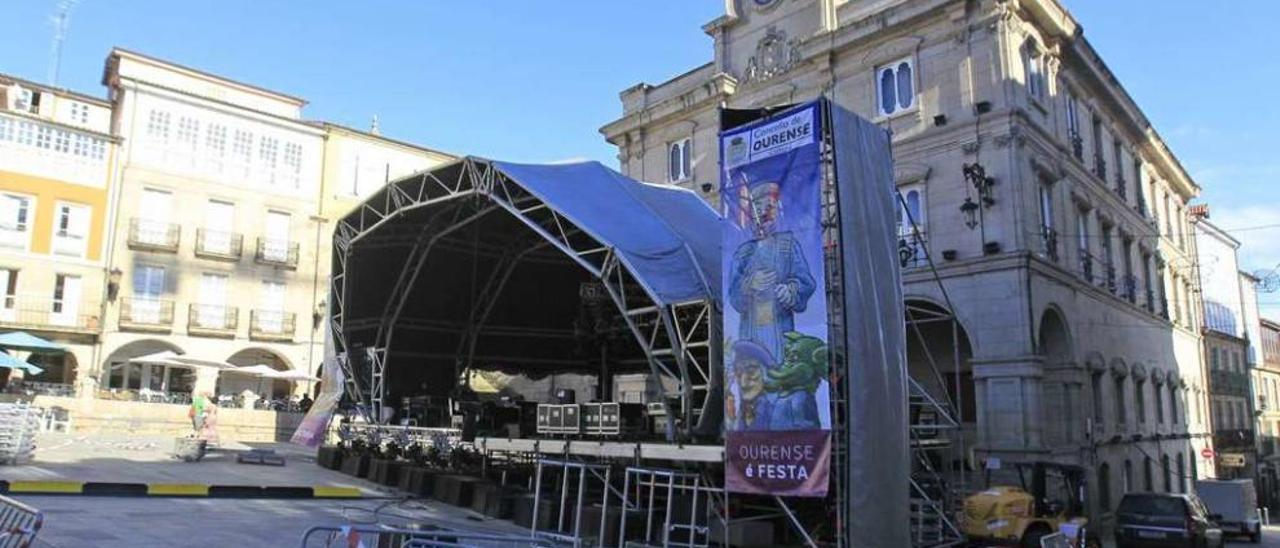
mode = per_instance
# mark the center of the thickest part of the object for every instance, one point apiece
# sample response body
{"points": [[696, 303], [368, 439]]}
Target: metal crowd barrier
{"points": [[371, 536], [441, 438], [19, 523]]}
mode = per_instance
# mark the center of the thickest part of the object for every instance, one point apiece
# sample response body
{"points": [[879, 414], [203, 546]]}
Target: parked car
{"points": [[1160, 520], [1233, 505]]}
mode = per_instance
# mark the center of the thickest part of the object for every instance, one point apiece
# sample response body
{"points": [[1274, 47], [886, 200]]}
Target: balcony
{"points": [[1151, 301], [149, 235], [1121, 186], [1228, 383], [277, 252], [146, 314], [1129, 289], [1077, 146], [48, 314], [1049, 239], [271, 325], [911, 250], [218, 245], [1109, 279], [1241, 439], [1100, 167], [1086, 265], [212, 320], [1164, 308]]}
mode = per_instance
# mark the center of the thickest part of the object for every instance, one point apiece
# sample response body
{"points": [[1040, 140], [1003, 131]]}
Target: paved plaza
{"points": [[76, 520]]}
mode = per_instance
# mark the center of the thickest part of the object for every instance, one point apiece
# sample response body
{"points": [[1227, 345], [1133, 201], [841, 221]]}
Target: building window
{"points": [[1104, 487], [1048, 235], [71, 229], [28, 100], [1128, 475], [293, 164], [1182, 474], [1119, 397], [1147, 482], [268, 149], [911, 227], [242, 150], [44, 137], [6, 129], [1099, 163], [1159, 394], [188, 133], [1173, 403], [1140, 400], [9, 284], [680, 160], [79, 113], [15, 212], [1033, 59], [895, 85], [158, 126], [1073, 127], [1117, 155], [215, 143]]}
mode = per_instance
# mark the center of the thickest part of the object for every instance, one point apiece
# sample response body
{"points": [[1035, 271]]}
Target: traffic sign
{"points": [[1206, 453]]}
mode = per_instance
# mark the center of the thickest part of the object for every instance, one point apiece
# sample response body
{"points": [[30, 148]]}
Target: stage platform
{"points": [[603, 448]]}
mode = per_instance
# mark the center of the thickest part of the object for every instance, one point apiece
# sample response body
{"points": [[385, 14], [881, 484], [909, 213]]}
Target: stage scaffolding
{"points": [[675, 489]]}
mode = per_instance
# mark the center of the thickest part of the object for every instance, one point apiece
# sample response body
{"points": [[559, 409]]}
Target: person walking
{"points": [[199, 404]]}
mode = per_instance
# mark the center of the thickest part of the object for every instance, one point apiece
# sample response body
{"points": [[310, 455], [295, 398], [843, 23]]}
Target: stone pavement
{"points": [[74, 457]]}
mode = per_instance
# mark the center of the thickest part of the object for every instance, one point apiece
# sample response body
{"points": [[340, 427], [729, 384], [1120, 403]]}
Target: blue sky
{"points": [[534, 81]]}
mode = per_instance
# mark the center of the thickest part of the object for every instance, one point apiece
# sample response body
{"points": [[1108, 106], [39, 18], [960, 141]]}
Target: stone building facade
{"points": [[1266, 382], [1072, 283]]}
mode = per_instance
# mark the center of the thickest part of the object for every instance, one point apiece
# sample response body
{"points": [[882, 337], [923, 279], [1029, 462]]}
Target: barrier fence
{"points": [[19, 523], [344, 536]]}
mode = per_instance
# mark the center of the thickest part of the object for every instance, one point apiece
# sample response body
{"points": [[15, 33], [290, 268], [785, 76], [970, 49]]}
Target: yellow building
{"points": [[57, 160]]}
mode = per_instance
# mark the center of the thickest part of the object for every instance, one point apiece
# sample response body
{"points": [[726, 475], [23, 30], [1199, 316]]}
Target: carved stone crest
{"points": [[775, 54]]}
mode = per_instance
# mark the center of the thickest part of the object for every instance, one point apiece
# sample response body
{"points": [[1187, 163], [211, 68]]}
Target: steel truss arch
{"points": [[674, 337]]}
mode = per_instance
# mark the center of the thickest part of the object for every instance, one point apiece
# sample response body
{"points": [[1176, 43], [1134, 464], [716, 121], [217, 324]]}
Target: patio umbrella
{"points": [[259, 370], [9, 362], [165, 357], [290, 375], [21, 340], [199, 362]]}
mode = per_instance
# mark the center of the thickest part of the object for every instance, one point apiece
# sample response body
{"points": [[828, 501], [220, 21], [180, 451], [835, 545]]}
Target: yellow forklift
{"points": [[1051, 502]]}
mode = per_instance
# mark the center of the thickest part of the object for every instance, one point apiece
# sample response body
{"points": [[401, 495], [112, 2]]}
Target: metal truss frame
{"points": [[675, 337]]}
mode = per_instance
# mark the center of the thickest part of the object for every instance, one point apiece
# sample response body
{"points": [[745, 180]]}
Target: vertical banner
{"points": [[777, 404], [311, 430]]}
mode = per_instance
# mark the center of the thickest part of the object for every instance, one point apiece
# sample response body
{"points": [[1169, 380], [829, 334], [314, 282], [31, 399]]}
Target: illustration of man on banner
{"points": [[770, 280]]}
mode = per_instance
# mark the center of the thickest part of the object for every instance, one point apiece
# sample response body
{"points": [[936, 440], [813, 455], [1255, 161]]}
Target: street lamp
{"points": [[113, 283], [970, 211]]}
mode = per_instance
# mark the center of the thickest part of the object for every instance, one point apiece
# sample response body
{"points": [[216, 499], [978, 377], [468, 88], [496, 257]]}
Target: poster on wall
{"points": [[777, 404]]}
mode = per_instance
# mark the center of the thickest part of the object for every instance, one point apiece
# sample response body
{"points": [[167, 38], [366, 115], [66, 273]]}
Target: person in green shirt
{"points": [[197, 411]]}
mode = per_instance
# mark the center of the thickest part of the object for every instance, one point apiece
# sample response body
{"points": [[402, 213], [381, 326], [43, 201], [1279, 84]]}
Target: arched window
{"points": [[1168, 474], [896, 87], [1147, 483], [1127, 478], [911, 249], [1033, 59], [1104, 487], [679, 160], [1182, 474]]}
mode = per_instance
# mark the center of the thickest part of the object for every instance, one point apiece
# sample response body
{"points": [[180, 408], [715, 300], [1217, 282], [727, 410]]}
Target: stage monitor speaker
{"points": [[566, 395]]}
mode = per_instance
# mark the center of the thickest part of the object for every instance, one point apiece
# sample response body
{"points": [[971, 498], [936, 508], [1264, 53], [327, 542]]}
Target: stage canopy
{"points": [[524, 269]]}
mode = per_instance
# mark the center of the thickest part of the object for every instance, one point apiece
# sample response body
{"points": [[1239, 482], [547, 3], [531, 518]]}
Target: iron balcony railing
{"points": [[212, 319], [1228, 383], [277, 252], [216, 244], [272, 325], [1100, 167], [1164, 308], [146, 313], [153, 235], [1241, 438], [911, 249], [1151, 301], [1049, 239], [1130, 289], [1121, 186], [1086, 265], [1077, 146], [47, 313], [1109, 279]]}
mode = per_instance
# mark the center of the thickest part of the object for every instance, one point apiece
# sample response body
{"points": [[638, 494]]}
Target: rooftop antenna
{"points": [[61, 18]]}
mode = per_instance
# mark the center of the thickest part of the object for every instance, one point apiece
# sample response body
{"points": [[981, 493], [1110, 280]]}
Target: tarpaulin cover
{"points": [[667, 236], [879, 454]]}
